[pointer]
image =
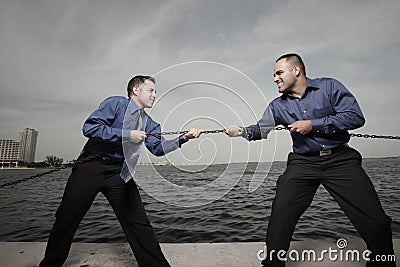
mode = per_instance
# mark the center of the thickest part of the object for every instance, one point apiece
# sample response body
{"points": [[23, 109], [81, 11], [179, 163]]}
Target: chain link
{"points": [[279, 128]]}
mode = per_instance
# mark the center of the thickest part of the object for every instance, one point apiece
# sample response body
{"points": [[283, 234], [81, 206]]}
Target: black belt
{"points": [[86, 156], [326, 152]]}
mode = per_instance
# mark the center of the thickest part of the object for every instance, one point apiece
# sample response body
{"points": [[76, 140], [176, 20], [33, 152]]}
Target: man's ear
{"points": [[296, 70], [135, 90]]}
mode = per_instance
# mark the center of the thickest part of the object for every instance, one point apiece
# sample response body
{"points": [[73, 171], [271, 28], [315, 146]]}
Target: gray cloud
{"points": [[61, 58]]}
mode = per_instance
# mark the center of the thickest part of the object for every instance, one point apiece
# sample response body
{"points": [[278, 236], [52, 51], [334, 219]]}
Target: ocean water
{"points": [[240, 215]]}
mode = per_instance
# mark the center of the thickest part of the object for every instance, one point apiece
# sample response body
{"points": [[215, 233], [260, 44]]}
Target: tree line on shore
{"points": [[50, 161]]}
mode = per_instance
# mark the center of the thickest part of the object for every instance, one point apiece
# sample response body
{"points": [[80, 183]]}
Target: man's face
{"points": [[284, 76], [146, 94]]}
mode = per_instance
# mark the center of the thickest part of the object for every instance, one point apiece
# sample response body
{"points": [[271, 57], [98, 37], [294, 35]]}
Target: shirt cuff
{"points": [[245, 133], [252, 133], [182, 140], [126, 135], [318, 125]]}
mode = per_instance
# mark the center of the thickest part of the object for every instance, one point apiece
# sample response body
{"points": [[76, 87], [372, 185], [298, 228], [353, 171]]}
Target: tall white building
{"points": [[28, 140]]}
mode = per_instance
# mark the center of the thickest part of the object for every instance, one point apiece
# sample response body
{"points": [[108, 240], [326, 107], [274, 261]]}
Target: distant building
{"points": [[28, 140], [9, 150]]}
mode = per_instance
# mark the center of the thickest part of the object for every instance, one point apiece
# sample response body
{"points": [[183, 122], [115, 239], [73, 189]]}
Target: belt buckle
{"points": [[325, 152]]}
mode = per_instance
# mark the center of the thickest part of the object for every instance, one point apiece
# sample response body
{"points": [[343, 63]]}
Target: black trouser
{"points": [[86, 181], [344, 178]]}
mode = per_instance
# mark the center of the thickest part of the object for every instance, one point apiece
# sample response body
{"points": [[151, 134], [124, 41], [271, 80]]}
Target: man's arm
{"points": [[257, 131], [98, 125], [348, 115]]}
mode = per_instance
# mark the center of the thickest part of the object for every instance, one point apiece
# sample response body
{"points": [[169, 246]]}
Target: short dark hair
{"points": [[295, 59], [138, 80]]}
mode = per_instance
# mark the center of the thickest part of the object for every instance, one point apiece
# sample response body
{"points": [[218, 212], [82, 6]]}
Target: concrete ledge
{"points": [[28, 254]]}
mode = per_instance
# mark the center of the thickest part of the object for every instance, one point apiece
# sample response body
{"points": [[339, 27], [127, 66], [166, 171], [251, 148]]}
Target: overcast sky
{"points": [[60, 59]]}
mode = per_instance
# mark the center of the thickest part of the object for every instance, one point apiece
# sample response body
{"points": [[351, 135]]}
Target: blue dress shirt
{"points": [[329, 105], [104, 128]]}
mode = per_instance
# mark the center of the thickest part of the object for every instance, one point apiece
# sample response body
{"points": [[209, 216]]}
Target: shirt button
{"points": [[305, 111], [323, 146]]}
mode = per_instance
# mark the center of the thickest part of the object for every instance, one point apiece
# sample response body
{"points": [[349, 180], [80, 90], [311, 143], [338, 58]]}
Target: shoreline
{"points": [[17, 168]]}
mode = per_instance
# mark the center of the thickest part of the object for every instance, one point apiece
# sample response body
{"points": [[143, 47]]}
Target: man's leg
{"points": [[79, 193], [127, 205], [351, 187], [294, 193]]}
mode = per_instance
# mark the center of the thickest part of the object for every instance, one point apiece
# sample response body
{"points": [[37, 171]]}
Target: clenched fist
{"points": [[193, 133], [137, 136], [234, 131], [301, 127]]}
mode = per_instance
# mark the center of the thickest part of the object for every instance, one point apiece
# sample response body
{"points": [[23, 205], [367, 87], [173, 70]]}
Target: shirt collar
{"points": [[132, 107], [312, 83]]}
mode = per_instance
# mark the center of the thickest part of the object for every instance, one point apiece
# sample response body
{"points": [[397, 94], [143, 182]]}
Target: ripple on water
{"points": [[27, 209]]}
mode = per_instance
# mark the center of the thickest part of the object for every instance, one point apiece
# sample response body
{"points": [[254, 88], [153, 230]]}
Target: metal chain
{"points": [[276, 129], [183, 132], [31, 177], [216, 131], [375, 136], [87, 159], [203, 132]]}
